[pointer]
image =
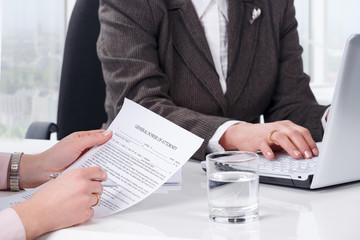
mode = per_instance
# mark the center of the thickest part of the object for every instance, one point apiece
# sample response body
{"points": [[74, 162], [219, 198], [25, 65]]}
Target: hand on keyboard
{"points": [[267, 137]]}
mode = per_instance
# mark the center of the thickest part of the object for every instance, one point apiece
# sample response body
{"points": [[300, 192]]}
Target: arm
{"points": [[64, 206], [10, 223], [292, 99], [134, 50], [36, 216], [35, 169], [4, 167]]}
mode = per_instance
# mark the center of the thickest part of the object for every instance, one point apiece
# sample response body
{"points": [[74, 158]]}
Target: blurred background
{"points": [[32, 34]]}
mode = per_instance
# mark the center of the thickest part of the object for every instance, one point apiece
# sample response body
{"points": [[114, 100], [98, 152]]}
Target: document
{"points": [[144, 152]]}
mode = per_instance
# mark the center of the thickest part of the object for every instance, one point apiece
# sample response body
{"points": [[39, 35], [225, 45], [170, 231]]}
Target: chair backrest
{"points": [[82, 87]]}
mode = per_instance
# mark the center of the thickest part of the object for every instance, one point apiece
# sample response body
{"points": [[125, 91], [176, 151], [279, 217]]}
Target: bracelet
{"points": [[14, 171]]}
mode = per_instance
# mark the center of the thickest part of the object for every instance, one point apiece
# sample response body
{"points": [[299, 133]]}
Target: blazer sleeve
{"points": [[11, 225], [293, 98], [129, 51]]}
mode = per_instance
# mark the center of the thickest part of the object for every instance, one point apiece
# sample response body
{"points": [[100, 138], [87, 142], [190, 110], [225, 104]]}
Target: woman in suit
{"points": [[213, 67]]}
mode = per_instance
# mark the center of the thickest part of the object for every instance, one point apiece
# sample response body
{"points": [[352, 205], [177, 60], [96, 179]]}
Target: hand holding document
{"points": [[144, 152]]}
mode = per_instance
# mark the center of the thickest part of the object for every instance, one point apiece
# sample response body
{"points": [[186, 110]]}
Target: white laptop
{"points": [[339, 158]]}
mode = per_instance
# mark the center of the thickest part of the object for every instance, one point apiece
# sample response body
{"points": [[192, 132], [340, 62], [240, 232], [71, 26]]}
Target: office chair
{"points": [[82, 86]]}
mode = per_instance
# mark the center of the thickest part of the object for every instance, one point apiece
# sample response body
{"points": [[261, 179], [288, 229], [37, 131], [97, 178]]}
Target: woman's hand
{"points": [[35, 169], [63, 202], [267, 137]]}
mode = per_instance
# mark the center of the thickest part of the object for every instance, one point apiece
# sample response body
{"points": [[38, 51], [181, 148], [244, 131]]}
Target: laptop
{"points": [[338, 161]]}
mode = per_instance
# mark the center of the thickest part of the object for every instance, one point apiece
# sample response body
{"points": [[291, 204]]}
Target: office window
{"points": [[32, 39], [324, 26]]}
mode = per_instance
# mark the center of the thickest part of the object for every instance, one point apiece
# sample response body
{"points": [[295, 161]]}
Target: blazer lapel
{"points": [[242, 45], [191, 44]]}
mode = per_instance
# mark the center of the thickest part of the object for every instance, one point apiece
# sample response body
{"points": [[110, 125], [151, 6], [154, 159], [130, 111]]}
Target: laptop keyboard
{"points": [[285, 164]]}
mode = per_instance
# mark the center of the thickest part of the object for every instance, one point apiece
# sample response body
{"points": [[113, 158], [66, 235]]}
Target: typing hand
{"points": [[270, 137]]}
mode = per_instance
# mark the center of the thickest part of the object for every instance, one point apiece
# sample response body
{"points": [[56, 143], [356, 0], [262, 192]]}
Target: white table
{"points": [[180, 212]]}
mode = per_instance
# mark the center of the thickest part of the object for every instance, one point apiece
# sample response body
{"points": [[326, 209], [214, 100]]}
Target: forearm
{"points": [[292, 98], [50, 209], [215, 142], [30, 216], [135, 66], [4, 170], [32, 171]]}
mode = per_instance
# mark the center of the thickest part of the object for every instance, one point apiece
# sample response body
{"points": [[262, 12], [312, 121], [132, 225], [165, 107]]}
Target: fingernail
{"points": [[269, 154], [307, 154], [297, 152], [315, 151], [107, 132], [105, 176]]}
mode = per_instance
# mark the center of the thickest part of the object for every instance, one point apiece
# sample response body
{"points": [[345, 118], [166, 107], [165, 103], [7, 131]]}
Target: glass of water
{"points": [[233, 186]]}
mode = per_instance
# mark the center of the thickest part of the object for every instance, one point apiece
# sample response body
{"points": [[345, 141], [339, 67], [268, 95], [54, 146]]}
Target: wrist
{"points": [[227, 140], [30, 217], [31, 171]]}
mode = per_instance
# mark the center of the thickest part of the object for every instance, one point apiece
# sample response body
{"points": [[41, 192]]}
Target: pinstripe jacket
{"points": [[155, 52]]}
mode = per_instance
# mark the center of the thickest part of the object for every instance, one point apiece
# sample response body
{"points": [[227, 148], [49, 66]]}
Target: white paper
{"points": [[143, 153]]}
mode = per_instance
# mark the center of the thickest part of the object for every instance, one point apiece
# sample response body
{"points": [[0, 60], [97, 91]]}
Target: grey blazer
{"points": [[155, 52]]}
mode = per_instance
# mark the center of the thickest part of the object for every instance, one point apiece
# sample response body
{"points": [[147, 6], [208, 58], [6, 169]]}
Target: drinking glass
{"points": [[233, 186]]}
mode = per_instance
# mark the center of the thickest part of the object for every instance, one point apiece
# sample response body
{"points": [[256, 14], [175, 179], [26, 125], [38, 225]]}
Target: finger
{"points": [[270, 139], [301, 137], [94, 173], [311, 143], [266, 150], [81, 134], [89, 133], [96, 187], [91, 213], [95, 139], [94, 199], [299, 142], [283, 140]]}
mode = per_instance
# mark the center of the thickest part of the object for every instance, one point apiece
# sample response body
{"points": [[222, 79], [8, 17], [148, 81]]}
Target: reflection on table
{"points": [[180, 212]]}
